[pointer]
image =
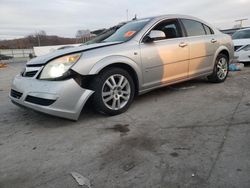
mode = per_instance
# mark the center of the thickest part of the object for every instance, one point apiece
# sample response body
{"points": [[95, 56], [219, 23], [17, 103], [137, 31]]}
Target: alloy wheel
{"points": [[116, 92], [222, 68]]}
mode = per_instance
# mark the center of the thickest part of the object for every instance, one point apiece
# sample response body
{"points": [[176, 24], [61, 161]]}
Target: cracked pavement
{"points": [[194, 134]]}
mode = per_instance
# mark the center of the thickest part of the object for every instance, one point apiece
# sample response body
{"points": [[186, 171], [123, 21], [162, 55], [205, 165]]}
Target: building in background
{"points": [[232, 31]]}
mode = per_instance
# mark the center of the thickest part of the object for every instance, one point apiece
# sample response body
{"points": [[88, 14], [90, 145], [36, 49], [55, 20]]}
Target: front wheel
{"points": [[221, 68], [114, 91]]}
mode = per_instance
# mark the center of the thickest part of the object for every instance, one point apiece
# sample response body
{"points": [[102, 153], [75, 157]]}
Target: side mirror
{"points": [[155, 35]]}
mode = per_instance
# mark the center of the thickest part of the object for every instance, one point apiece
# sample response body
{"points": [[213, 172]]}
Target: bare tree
{"points": [[40, 35]]}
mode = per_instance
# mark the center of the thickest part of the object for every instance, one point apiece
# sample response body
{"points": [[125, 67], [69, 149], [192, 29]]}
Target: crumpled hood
{"points": [[45, 58], [241, 42]]}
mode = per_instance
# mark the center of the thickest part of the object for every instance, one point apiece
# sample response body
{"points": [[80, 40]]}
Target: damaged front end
{"points": [[52, 88]]}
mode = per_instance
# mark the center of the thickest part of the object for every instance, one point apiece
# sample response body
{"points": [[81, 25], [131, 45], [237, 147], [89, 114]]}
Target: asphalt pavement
{"points": [[194, 134]]}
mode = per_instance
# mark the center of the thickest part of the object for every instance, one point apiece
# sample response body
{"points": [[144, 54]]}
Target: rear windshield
{"points": [[127, 31], [244, 34]]}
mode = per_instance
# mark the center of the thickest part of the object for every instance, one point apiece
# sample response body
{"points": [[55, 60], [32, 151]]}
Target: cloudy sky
{"points": [[19, 18]]}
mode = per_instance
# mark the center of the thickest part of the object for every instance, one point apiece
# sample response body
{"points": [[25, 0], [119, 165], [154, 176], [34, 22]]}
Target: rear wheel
{"points": [[114, 91], [220, 71]]}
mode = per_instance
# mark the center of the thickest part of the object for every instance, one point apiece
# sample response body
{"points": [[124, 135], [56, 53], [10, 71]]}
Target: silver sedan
{"points": [[140, 56]]}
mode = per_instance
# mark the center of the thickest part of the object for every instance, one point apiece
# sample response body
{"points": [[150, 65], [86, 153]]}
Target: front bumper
{"points": [[242, 56], [59, 98]]}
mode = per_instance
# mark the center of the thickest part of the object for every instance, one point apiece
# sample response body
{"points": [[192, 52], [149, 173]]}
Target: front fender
{"points": [[95, 65], [112, 60]]}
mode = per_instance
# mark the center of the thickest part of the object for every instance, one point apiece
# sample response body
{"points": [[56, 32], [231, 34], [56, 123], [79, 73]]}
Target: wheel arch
{"points": [[129, 69], [222, 50], [225, 52], [122, 62]]}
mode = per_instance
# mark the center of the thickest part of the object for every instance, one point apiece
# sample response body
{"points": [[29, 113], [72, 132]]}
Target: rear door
{"points": [[202, 46], [165, 60]]}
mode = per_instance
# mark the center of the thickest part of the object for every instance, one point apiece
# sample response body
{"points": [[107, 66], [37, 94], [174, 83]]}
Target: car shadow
{"points": [[191, 84], [89, 112], [247, 64]]}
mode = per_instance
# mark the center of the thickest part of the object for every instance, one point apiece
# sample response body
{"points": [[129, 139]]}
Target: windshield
{"points": [[105, 34], [101, 37], [244, 34], [127, 31]]}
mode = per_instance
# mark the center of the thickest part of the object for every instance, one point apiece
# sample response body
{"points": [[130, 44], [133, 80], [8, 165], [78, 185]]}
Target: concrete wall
{"points": [[17, 53]]}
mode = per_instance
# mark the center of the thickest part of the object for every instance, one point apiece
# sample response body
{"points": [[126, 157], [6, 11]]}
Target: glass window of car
{"points": [[243, 34], [171, 29], [208, 30], [193, 28], [127, 31]]}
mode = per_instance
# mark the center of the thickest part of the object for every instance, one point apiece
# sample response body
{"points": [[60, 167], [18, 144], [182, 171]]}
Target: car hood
{"points": [[241, 42], [41, 60]]}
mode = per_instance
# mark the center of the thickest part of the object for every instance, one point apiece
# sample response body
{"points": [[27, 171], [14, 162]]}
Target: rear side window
{"points": [[208, 30], [193, 27]]}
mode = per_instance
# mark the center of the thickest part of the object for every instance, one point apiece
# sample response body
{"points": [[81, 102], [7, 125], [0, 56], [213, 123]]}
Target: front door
{"points": [[165, 60]]}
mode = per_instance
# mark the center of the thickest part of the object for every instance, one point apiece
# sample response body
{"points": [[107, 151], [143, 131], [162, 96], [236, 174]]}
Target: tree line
{"points": [[40, 38]]}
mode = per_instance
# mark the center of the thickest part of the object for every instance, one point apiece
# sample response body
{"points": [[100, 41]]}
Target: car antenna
{"points": [[135, 18]]}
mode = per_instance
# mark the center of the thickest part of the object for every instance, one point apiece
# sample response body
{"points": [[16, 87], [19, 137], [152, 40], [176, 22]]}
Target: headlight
{"points": [[245, 48], [57, 67]]}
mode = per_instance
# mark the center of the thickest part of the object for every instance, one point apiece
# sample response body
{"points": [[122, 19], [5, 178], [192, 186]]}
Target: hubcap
{"points": [[222, 68], [116, 92]]}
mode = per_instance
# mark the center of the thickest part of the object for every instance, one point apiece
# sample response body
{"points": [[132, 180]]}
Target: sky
{"points": [[19, 18]]}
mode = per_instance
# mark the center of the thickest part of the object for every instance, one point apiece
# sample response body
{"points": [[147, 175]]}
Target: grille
{"points": [[39, 101], [29, 74], [15, 94], [236, 48]]}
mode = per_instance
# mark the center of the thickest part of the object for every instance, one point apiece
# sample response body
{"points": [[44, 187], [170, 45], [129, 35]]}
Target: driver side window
{"points": [[171, 29]]}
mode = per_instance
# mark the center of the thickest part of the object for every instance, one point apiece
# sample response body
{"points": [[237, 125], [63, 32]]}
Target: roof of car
{"points": [[166, 16], [170, 16]]}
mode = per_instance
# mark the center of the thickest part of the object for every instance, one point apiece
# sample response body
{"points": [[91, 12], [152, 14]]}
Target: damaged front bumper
{"points": [[59, 98]]}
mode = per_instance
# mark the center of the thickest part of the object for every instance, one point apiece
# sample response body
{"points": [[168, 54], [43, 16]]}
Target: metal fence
{"points": [[17, 53]]}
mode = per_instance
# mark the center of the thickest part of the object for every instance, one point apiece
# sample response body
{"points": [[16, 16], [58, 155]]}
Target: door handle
{"points": [[213, 40], [182, 44]]}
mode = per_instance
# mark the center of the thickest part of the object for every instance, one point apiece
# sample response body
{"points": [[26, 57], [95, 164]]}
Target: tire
{"points": [[221, 69], [114, 84]]}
